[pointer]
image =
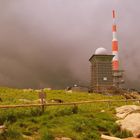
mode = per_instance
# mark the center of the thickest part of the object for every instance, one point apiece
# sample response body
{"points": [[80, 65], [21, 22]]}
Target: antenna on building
{"points": [[117, 73], [115, 43]]}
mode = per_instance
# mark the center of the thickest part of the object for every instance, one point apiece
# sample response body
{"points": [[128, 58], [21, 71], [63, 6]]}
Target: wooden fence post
{"points": [[75, 109], [42, 97], [125, 102], [108, 104]]}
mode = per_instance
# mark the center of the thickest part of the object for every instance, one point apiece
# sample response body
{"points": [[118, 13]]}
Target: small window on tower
{"points": [[105, 78]]}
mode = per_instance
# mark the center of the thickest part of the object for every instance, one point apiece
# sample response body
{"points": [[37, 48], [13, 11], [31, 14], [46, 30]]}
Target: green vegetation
{"points": [[82, 122]]}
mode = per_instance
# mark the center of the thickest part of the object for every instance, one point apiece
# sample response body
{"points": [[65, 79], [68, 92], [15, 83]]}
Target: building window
{"points": [[105, 78]]}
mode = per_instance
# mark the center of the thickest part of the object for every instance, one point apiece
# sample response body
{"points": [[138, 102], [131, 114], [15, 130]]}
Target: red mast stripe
{"points": [[113, 13], [115, 65], [114, 45], [114, 28]]}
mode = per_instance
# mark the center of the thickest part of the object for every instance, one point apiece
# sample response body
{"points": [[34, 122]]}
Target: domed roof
{"points": [[101, 51]]}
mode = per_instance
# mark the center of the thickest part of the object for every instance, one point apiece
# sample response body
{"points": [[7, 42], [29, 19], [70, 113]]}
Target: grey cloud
{"points": [[49, 42]]}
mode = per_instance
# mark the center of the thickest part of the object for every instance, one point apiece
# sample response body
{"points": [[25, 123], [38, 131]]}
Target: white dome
{"points": [[101, 51]]}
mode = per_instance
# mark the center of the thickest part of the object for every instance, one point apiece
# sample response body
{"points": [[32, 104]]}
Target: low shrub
{"points": [[92, 136], [11, 134], [123, 134], [46, 135]]}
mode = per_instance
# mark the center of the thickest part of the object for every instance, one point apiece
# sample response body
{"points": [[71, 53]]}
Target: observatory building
{"points": [[105, 70], [101, 70]]}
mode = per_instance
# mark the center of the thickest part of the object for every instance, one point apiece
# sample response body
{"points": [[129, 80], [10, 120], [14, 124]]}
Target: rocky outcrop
{"points": [[122, 112], [2, 128], [130, 118], [132, 123], [132, 95], [26, 101], [63, 138], [105, 137], [132, 138]]}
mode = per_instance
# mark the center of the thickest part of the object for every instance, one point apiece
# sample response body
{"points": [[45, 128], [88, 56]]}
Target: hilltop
{"points": [[82, 122]]}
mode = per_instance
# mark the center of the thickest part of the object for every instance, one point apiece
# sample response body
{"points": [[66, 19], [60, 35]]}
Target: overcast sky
{"points": [[47, 43]]}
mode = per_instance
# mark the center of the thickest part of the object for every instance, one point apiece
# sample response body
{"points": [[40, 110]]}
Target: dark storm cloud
{"points": [[48, 43]]}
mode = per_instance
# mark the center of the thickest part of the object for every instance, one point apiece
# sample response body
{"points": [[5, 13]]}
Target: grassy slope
{"points": [[85, 123]]}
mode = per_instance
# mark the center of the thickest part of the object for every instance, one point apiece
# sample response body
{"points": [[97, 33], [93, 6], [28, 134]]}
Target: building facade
{"points": [[101, 72]]}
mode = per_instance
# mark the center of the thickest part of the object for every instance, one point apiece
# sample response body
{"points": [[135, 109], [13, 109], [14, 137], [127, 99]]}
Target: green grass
{"points": [[82, 122]]}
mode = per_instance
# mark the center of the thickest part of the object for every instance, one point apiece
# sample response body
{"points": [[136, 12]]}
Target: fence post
{"points": [[42, 97], [75, 109], [108, 104], [126, 102]]}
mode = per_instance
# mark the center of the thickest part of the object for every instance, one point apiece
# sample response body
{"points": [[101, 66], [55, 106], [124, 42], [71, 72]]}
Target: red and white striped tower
{"points": [[115, 62]]}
